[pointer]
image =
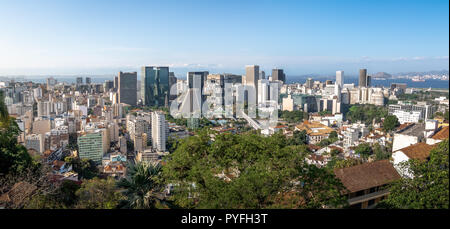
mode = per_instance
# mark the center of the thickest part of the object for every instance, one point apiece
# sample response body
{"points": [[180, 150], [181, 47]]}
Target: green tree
{"points": [[429, 187], [380, 152], [171, 144], [332, 138], [333, 134], [293, 116], [86, 169], [98, 194], [13, 156], [63, 197], [298, 138], [337, 163], [390, 123], [366, 113], [364, 150], [143, 186], [246, 171]]}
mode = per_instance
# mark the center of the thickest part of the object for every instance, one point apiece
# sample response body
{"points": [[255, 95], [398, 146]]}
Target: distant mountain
{"points": [[382, 75], [434, 72]]}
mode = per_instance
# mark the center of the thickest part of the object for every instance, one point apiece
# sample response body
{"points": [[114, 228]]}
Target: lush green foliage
{"points": [[428, 189], [62, 197], [366, 113], [85, 168], [247, 171], [332, 138], [381, 152], [98, 194], [333, 134], [422, 96], [298, 138], [390, 123], [143, 186], [293, 116], [13, 156], [444, 115], [326, 112], [364, 150]]}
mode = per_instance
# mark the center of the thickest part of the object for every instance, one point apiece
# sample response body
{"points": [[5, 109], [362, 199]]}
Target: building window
{"points": [[360, 193]]}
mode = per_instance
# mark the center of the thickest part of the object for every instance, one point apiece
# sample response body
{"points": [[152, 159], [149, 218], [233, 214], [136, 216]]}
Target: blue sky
{"points": [[322, 36]]}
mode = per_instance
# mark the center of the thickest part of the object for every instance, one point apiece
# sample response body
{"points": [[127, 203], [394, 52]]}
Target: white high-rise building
{"points": [[159, 131], [263, 90], [340, 78]]}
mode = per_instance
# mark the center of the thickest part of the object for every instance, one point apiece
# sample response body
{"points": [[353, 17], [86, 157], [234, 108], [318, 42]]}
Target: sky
{"points": [[47, 37]]}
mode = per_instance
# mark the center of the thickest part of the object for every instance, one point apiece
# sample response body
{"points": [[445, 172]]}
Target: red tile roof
{"points": [[367, 175], [442, 134], [419, 151]]}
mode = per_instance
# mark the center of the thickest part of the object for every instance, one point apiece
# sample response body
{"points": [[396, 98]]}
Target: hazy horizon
{"points": [[50, 37]]}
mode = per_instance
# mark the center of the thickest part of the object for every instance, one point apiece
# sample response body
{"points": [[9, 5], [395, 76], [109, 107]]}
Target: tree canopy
{"points": [[143, 186], [293, 116], [98, 194], [14, 157], [429, 186], [366, 113], [247, 171], [390, 123]]}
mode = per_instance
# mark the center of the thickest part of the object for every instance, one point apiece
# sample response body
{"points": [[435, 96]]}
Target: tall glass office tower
{"points": [[155, 85]]}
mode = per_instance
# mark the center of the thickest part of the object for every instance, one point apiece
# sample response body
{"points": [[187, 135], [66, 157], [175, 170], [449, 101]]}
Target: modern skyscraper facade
{"points": [[127, 87], [363, 77], [340, 78], [278, 74], [252, 77], [154, 85], [193, 102], [172, 81], [192, 78], [309, 83], [368, 81], [116, 82], [90, 146], [79, 80], [88, 80]]}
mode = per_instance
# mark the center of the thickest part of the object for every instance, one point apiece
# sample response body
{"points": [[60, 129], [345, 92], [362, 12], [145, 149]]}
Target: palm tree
{"points": [[143, 186]]}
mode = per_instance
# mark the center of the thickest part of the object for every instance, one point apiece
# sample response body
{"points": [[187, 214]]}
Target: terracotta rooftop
{"points": [[316, 157], [442, 134], [403, 126], [58, 164], [313, 147], [367, 175], [419, 151], [314, 128]]}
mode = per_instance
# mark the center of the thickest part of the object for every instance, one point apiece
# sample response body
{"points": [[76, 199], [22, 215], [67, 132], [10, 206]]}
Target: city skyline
{"points": [[300, 37]]}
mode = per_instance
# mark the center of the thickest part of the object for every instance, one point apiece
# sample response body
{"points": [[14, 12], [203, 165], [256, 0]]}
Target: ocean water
{"points": [[441, 84]]}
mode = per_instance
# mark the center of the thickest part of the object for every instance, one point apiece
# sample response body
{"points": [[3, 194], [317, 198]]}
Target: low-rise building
{"points": [[315, 131], [419, 151], [366, 183], [441, 135]]}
